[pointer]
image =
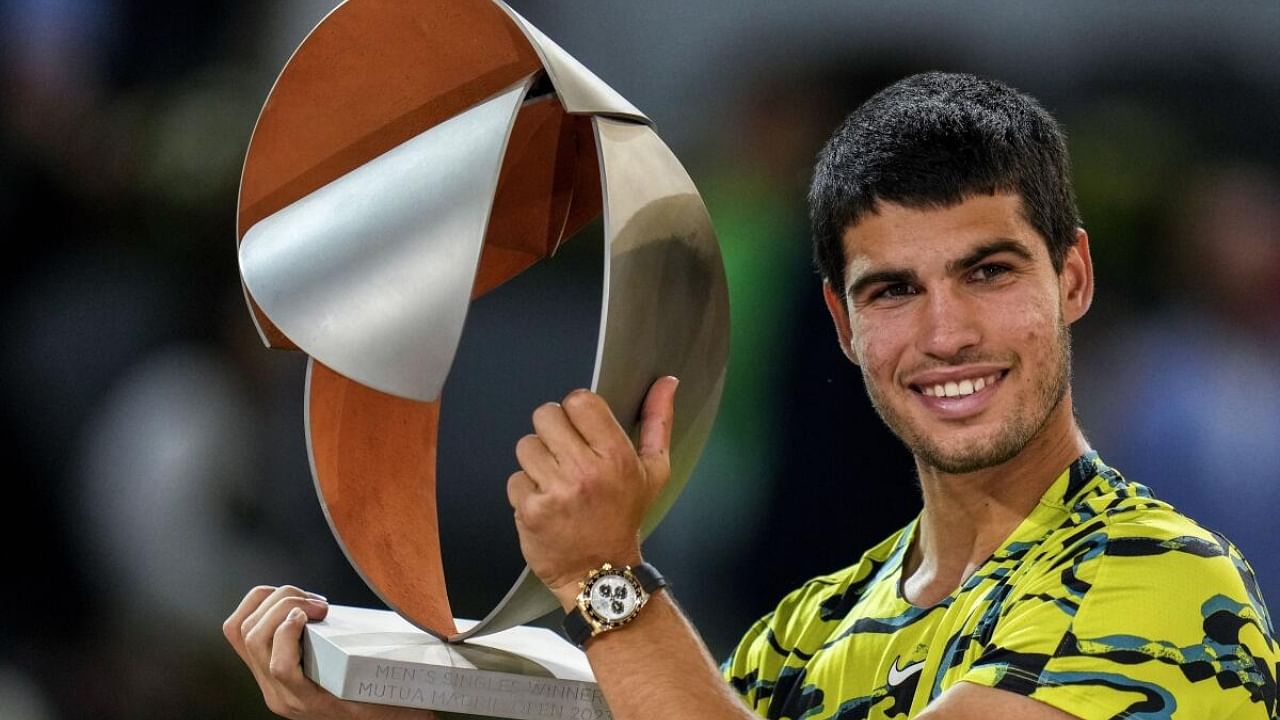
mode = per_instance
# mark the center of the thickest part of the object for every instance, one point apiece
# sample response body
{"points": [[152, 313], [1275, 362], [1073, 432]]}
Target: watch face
{"points": [[613, 597]]}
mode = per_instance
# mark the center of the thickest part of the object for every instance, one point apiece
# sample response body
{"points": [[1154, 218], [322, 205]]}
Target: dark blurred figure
{"points": [[1193, 392], [147, 435]]}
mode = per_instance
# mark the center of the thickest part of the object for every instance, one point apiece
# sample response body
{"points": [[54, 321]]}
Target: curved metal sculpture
{"points": [[413, 155]]}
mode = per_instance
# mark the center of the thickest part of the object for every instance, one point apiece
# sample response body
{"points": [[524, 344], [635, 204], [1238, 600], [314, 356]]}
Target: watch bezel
{"points": [[597, 622]]}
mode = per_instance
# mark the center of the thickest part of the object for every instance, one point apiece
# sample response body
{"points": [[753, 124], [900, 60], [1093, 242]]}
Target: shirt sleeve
{"points": [[768, 668], [750, 669], [1131, 623], [770, 659]]}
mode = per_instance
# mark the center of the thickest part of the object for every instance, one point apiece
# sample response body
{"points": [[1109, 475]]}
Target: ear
{"points": [[840, 316], [1076, 279]]}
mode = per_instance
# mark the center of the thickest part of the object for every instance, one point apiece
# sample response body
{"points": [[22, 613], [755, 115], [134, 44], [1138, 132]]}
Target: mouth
{"points": [[960, 387], [955, 397]]}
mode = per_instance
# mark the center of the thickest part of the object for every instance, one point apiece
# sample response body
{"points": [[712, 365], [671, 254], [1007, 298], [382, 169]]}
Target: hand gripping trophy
{"points": [[412, 156]]}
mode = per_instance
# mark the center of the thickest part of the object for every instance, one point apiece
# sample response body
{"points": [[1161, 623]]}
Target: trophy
{"points": [[412, 156]]}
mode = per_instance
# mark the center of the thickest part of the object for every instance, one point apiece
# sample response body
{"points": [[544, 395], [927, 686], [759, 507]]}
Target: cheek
{"points": [[874, 346], [1036, 328]]}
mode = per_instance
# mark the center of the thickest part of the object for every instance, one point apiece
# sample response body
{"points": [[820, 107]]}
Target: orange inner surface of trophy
{"points": [[333, 110]]}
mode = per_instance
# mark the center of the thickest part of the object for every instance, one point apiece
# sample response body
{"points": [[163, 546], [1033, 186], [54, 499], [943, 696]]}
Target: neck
{"points": [[967, 516]]}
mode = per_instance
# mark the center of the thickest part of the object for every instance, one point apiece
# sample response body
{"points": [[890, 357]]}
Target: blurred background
{"points": [[155, 450]]}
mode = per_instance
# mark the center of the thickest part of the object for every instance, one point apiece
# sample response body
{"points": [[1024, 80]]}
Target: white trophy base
{"points": [[523, 673]]}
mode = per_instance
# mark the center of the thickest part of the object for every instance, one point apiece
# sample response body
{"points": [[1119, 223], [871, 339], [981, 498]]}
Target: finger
{"points": [[520, 487], [535, 458], [594, 421], [233, 626], [285, 665], [259, 639], [270, 601], [656, 418], [557, 432]]}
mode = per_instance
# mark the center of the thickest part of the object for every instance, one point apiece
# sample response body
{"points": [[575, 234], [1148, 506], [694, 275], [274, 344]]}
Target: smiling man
{"points": [[1035, 583]]}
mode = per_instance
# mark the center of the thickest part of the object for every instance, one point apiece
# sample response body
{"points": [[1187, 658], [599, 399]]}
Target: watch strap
{"points": [[576, 627], [650, 579]]}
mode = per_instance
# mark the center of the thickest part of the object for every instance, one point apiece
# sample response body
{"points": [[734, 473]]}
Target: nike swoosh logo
{"points": [[897, 675]]}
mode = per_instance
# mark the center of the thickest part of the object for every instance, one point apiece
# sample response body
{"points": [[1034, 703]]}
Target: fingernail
{"points": [[317, 596], [318, 603], [296, 614]]}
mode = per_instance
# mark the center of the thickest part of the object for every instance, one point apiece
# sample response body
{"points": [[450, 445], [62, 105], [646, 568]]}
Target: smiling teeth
{"points": [[962, 388]]}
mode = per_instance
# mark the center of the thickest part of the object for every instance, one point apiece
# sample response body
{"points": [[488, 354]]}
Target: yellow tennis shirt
{"points": [[1104, 603]]}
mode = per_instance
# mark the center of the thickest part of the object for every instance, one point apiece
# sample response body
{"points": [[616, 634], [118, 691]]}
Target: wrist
{"points": [[567, 591], [567, 594]]}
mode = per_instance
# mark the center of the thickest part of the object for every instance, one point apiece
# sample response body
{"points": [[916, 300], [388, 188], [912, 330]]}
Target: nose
{"points": [[949, 326]]}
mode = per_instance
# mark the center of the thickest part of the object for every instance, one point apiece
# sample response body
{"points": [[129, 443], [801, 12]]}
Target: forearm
{"points": [[657, 666], [580, 498]]}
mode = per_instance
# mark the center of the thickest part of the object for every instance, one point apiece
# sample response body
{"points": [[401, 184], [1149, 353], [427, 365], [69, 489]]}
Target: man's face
{"points": [[959, 324]]}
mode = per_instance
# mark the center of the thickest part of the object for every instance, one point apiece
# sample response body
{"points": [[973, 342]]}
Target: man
{"points": [[1035, 583]]}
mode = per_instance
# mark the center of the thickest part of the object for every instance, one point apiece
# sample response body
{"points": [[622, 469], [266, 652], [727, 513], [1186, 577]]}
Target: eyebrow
{"points": [[982, 252], [976, 256]]}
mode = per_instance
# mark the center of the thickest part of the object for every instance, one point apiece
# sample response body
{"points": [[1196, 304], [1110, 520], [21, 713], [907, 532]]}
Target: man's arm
{"points": [[579, 501], [657, 667], [967, 701]]}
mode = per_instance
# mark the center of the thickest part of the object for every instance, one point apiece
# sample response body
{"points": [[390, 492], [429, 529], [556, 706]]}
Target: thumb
{"points": [[656, 417]]}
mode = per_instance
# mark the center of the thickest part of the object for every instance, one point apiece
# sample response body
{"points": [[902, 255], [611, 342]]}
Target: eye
{"points": [[896, 290], [988, 272]]}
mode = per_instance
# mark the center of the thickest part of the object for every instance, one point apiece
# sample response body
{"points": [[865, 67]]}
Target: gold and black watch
{"points": [[609, 598]]}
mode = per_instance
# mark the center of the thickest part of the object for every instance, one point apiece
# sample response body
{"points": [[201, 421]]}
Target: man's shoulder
{"points": [[807, 618], [853, 579], [1126, 595], [1133, 521], [1122, 547], [807, 614]]}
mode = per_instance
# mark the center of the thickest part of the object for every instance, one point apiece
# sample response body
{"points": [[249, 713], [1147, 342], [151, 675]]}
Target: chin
{"points": [[969, 460], [977, 448]]}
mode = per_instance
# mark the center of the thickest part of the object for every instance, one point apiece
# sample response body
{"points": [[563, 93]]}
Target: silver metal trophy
{"points": [[412, 156]]}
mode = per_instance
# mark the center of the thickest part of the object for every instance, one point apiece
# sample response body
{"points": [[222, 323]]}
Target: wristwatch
{"points": [[610, 598]]}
